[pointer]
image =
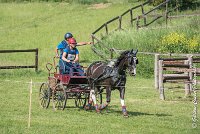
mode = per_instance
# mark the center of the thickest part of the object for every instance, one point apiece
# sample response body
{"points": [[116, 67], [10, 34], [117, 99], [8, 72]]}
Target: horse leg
{"points": [[108, 95], [93, 96], [124, 111], [89, 105]]}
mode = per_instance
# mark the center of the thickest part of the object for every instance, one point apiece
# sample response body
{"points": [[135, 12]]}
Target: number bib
{"points": [[71, 57]]}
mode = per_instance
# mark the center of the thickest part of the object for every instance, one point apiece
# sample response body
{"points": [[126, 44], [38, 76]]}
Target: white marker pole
{"points": [[29, 118]]}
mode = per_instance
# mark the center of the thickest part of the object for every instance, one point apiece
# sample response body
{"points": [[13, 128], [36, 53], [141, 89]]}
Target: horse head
{"points": [[132, 61]]}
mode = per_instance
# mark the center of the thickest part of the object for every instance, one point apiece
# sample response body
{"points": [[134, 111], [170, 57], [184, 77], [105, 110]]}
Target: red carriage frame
{"points": [[61, 87]]}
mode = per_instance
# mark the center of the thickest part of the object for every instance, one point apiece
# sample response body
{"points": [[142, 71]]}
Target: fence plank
{"points": [[112, 20], [15, 67], [22, 51], [15, 51]]}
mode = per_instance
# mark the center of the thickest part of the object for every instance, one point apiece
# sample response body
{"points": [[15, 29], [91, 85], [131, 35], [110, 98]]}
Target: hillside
{"points": [[43, 25]]}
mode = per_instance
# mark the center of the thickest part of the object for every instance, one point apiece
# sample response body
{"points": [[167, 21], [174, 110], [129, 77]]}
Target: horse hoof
{"points": [[98, 111], [102, 107], [87, 107], [125, 114]]}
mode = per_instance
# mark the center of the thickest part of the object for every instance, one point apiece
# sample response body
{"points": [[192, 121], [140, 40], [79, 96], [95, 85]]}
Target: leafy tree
{"points": [[183, 4]]}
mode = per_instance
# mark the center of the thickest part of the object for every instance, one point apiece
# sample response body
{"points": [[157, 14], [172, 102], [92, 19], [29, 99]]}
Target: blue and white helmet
{"points": [[68, 35]]}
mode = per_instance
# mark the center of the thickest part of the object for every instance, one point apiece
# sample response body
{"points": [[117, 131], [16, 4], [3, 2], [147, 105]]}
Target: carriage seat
{"points": [[63, 69]]}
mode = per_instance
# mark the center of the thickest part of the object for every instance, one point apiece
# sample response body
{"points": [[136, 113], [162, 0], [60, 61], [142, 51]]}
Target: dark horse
{"points": [[110, 76]]}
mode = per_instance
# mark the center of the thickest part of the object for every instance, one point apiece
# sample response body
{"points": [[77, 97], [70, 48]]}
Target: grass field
{"points": [[147, 114], [42, 25]]}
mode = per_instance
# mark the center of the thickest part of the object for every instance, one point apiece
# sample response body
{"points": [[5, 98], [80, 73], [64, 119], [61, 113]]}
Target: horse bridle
{"points": [[129, 57]]}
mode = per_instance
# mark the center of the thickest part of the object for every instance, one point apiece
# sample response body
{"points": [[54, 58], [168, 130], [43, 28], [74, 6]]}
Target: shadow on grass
{"points": [[109, 110], [15, 73], [130, 113], [179, 98]]}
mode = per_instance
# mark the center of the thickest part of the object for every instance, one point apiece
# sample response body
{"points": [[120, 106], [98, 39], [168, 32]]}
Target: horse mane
{"points": [[122, 55]]}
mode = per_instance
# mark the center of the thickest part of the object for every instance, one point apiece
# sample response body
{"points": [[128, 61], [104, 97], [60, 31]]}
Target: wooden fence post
{"points": [[137, 23], [187, 85], [106, 26], [190, 62], [120, 22], [92, 39], [166, 14], [156, 69], [111, 53], [161, 85], [131, 14], [177, 5], [36, 60], [144, 16]]}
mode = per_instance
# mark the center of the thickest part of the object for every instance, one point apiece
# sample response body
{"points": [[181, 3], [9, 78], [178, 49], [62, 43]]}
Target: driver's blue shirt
{"points": [[61, 46], [70, 67], [71, 53]]}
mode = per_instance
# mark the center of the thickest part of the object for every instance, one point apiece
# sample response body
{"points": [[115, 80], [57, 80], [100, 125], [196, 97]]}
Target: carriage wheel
{"points": [[44, 95], [80, 99], [59, 97]]}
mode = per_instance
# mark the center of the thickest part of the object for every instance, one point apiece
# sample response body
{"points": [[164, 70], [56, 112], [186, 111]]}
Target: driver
{"points": [[64, 44], [71, 58]]}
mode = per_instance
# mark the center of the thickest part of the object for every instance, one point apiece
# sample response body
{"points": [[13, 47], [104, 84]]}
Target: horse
{"points": [[110, 76]]}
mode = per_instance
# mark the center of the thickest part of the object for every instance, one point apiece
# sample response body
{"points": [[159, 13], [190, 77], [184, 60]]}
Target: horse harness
{"points": [[111, 72]]}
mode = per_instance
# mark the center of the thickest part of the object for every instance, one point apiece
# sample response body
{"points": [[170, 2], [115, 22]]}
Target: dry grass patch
{"points": [[99, 6]]}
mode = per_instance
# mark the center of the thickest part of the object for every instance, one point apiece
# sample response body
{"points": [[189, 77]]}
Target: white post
{"points": [[190, 59], [161, 83], [187, 85], [29, 118], [156, 70]]}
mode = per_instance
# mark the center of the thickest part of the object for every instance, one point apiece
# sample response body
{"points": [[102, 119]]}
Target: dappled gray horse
{"points": [[111, 76]]}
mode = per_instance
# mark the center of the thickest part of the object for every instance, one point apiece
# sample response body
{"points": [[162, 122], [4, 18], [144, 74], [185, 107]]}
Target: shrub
{"points": [[179, 43]]}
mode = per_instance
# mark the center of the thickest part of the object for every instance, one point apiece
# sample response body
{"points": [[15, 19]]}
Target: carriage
{"points": [[61, 87], [98, 76]]}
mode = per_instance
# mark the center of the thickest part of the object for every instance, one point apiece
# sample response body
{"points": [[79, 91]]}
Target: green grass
{"points": [[147, 114], [42, 25], [149, 40]]}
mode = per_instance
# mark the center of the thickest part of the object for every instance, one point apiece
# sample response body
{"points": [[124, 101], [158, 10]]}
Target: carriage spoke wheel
{"points": [[44, 95], [59, 97], [80, 100]]}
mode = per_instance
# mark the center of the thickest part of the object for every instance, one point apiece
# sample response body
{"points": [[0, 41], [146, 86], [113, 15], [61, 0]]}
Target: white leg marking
{"points": [[122, 102]]}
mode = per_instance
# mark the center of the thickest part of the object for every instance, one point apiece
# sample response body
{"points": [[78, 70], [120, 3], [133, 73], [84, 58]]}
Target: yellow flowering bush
{"points": [[179, 43], [194, 44]]}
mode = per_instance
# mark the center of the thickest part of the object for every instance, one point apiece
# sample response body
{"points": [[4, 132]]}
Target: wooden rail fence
{"points": [[22, 51], [175, 70], [137, 19], [143, 20]]}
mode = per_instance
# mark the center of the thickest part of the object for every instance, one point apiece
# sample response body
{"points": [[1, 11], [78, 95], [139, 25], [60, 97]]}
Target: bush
{"points": [[69, 1], [179, 43], [183, 4]]}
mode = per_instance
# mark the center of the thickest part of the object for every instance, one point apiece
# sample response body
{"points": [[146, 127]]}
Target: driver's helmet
{"points": [[72, 41], [68, 35]]}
